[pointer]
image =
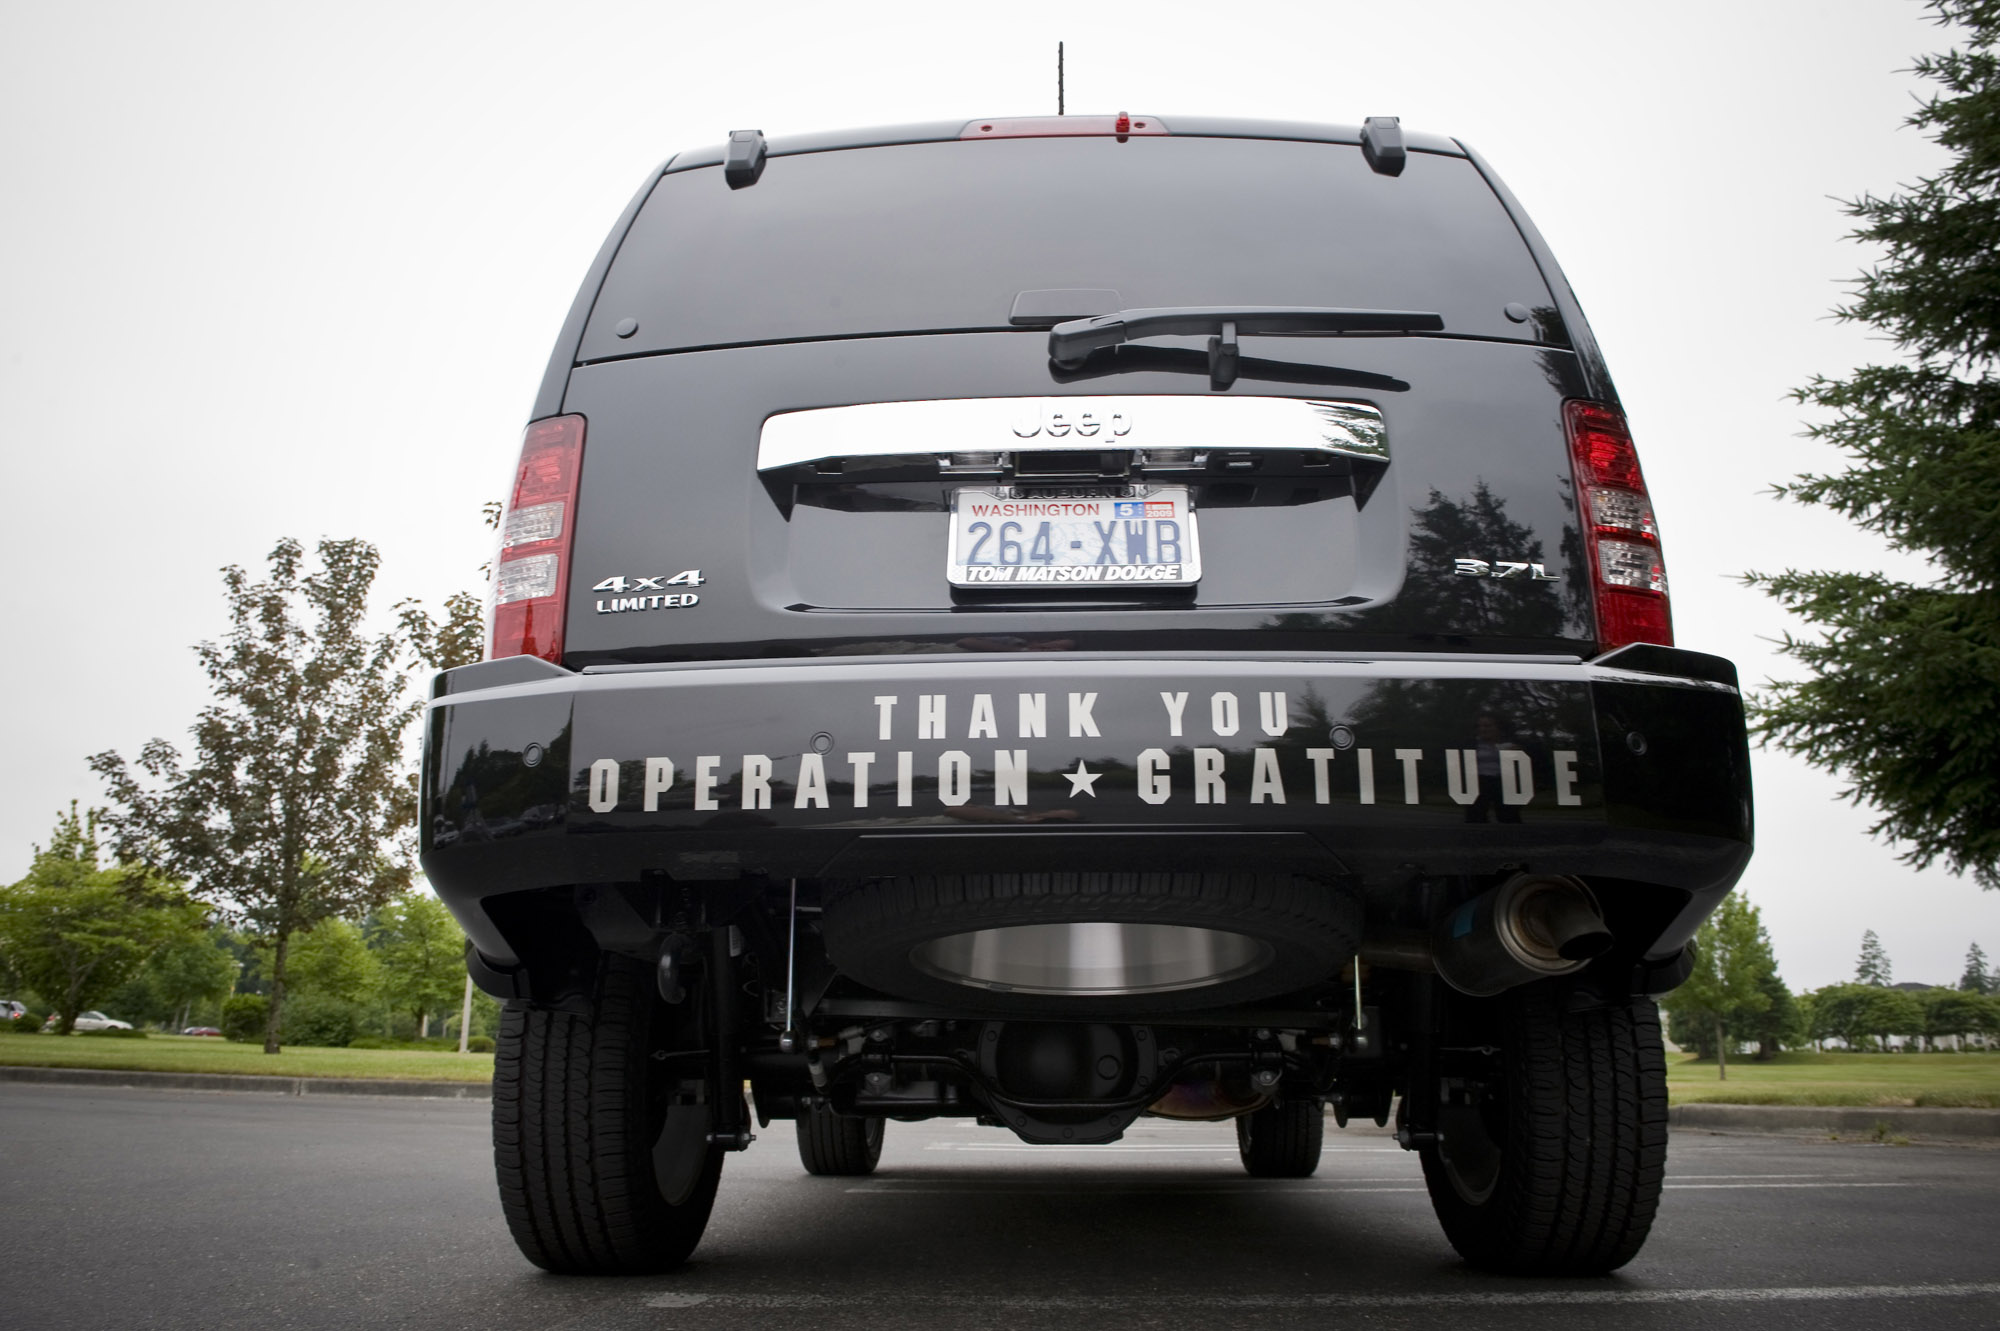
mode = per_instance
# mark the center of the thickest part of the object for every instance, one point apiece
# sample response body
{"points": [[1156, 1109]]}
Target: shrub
{"points": [[243, 1017], [428, 1046], [115, 1034], [320, 1020], [28, 1023], [480, 1044]]}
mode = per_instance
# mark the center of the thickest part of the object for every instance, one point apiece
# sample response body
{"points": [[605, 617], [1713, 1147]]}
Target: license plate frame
{"points": [[1155, 521]]}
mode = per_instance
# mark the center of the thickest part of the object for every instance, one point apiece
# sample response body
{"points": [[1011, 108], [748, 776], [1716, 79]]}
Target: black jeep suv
{"points": [[1049, 621]]}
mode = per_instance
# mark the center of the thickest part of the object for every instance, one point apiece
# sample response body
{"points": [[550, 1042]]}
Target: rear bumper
{"points": [[1633, 767]]}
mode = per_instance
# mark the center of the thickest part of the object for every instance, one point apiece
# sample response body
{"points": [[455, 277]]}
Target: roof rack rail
{"points": [[1382, 144], [744, 161]]}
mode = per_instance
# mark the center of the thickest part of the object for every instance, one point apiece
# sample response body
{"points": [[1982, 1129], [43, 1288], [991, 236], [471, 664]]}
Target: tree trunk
{"points": [[1721, 1053], [274, 1015], [465, 1017], [68, 1008]]}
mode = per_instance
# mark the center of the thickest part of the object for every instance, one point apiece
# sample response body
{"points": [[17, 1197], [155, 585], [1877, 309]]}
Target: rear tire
{"points": [[840, 1145], [1282, 1140], [1557, 1170], [601, 1171]]}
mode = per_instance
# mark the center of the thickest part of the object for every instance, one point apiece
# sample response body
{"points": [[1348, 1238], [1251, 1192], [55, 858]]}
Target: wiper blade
{"points": [[1071, 343], [1183, 360]]}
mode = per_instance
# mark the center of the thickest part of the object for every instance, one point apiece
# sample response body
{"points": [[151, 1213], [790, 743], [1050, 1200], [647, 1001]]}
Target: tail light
{"points": [[531, 577], [1628, 574]]}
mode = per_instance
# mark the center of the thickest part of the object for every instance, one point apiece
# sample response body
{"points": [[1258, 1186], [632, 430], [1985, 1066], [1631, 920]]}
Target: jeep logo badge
{"points": [[1057, 417]]}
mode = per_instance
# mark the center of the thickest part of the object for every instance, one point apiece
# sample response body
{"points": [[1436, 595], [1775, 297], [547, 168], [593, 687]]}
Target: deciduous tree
{"points": [[333, 959], [1731, 958], [1887, 1012], [422, 951], [75, 929], [198, 968], [1952, 1012], [1902, 688], [286, 812], [456, 637]]}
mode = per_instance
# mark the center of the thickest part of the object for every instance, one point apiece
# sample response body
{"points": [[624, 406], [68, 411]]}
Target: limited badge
{"points": [[647, 593]]}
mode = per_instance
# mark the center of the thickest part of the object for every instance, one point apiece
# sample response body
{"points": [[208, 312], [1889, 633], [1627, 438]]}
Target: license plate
{"points": [[1144, 540]]}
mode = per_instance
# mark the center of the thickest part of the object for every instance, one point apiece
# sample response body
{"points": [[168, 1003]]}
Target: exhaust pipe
{"points": [[1529, 928]]}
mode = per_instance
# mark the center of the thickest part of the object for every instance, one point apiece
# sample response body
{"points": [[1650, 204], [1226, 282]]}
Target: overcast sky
{"points": [[272, 270]]}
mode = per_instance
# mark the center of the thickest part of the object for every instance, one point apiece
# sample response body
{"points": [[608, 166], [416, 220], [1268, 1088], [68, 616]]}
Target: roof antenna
{"points": [[1059, 79]]}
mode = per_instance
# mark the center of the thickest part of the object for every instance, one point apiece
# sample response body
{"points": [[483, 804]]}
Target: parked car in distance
{"points": [[201, 1030], [13, 1009], [92, 1021]]}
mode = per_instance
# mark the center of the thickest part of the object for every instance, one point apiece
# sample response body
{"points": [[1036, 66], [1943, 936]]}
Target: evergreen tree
{"points": [[1977, 979], [1779, 1023], [1902, 695], [1873, 966]]}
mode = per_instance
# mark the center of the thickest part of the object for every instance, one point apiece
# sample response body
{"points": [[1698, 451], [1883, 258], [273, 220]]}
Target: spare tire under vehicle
{"points": [[1091, 944]]}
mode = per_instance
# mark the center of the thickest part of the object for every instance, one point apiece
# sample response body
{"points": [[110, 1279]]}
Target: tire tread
{"points": [[1282, 1140], [1585, 1159], [571, 1155]]}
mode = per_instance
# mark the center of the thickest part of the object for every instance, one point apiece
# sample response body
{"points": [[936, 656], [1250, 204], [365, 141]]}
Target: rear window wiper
{"points": [[1070, 344], [1184, 360]]}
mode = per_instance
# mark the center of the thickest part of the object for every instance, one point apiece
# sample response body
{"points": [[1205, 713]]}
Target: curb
{"points": [[1846, 1120], [230, 1082]]}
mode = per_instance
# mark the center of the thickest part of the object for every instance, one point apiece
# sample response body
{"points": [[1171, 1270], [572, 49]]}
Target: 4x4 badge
{"points": [[1504, 568], [690, 577], [652, 593]]}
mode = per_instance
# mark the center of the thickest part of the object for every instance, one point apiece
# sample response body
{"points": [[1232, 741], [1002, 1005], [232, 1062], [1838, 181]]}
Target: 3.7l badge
{"points": [[1504, 568]]}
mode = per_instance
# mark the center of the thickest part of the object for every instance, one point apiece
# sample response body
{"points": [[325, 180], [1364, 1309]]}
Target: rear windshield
{"points": [[943, 236]]}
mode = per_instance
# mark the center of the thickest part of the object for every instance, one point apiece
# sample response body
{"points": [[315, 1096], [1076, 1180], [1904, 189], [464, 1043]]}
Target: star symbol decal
{"points": [[1082, 780]]}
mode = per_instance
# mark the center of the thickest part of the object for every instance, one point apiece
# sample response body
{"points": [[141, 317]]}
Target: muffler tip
{"points": [[1531, 927], [1585, 946]]}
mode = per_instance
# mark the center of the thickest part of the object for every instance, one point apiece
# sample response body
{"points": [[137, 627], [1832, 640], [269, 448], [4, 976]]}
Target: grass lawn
{"points": [[195, 1053], [1943, 1080], [1971, 1080]]}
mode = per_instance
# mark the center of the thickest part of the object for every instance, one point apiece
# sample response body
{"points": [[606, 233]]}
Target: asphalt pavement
{"points": [[128, 1208]]}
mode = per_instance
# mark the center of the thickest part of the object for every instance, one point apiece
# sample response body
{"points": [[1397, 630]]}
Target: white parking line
{"points": [[1249, 1186], [1683, 1178], [1245, 1187], [1137, 1148], [1088, 1303], [1121, 1148], [1694, 1186]]}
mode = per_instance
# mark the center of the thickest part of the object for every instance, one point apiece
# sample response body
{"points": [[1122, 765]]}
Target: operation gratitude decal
{"points": [[887, 777]]}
